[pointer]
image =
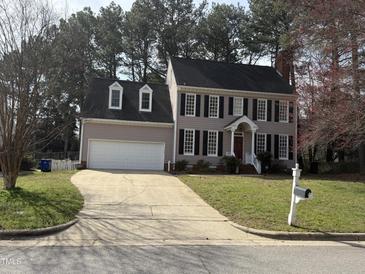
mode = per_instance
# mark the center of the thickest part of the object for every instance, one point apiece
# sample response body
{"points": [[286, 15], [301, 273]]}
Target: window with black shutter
{"points": [[291, 112], [291, 147], [277, 103], [197, 110], [276, 146], [254, 110], [269, 110], [182, 104], [245, 106], [220, 143], [197, 142], [268, 142], [205, 142], [230, 106], [206, 105], [181, 141], [221, 107]]}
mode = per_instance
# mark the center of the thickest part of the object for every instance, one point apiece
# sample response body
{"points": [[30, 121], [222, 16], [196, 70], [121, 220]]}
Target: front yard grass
{"points": [[264, 202], [40, 200]]}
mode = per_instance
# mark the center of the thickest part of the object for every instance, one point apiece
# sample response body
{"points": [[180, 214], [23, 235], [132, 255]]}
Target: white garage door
{"points": [[126, 155]]}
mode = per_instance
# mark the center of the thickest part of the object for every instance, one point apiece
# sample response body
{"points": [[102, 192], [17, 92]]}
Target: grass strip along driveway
{"points": [[264, 202], [40, 200]]}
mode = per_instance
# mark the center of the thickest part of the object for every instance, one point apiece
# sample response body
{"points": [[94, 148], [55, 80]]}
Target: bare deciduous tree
{"points": [[23, 61]]}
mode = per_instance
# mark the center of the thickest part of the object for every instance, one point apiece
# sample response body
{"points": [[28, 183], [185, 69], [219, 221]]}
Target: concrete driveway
{"points": [[139, 207]]}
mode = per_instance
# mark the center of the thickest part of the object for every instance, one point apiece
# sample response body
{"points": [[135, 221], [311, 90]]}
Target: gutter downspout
{"points": [[81, 139], [174, 149]]}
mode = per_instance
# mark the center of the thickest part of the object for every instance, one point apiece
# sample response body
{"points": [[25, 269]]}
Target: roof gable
{"points": [[116, 85], [146, 88]]}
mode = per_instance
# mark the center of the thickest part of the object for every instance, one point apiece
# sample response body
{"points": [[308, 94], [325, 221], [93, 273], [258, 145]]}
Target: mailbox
{"points": [[297, 194], [303, 193]]}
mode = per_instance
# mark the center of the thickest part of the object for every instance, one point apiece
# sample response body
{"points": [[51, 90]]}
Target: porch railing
{"points": [[252, 159]]}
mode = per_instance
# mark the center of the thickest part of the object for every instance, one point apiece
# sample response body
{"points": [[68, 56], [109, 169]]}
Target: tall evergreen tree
{"points": [[109, 39], [140, 39], [72, 58], [270, 21], [220, 32], [177, 28]]}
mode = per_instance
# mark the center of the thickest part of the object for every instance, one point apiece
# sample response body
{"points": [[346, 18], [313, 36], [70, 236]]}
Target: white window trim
{"points": [[116, 86], [287, 112], [257, 143], [265, 100], [193, 150], [287, 147], [190, 115], [216, 144], [145, 89], [210, 116], [241, 110]]}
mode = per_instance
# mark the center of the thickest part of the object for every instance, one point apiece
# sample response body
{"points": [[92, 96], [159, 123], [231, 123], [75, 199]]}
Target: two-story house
{"points": [[207, 110]]}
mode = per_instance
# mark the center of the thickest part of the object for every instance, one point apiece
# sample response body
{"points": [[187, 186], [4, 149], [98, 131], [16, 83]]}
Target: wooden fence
{"points": [[73, 155], [63, 165]]}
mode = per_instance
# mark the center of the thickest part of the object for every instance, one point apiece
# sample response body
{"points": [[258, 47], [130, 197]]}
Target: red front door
{"points": [[238, 147]]}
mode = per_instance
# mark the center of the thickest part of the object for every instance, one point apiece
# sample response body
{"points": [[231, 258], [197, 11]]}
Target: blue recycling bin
{"points": [[46, 165]]}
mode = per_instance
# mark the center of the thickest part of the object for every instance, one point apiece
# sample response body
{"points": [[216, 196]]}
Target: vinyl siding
{"points": [[204, 123], [127, 133]]}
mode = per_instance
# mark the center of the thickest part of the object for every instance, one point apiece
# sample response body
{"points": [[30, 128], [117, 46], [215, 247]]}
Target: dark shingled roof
{"points": [[97, 102], [212, 74]]}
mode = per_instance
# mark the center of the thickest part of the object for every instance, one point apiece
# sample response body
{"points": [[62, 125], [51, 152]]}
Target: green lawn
{"points": [[264, 202], [40, 200]]}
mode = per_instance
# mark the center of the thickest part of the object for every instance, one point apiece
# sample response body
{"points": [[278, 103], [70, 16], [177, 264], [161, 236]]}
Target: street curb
{"points": [[319, 236], [20, 233]]}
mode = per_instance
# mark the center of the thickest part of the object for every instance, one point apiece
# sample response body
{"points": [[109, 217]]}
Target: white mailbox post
{"points": [[298, 194]]}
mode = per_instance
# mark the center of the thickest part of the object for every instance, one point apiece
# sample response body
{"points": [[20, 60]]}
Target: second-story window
{"points": [[145, 98], [283, 111], [190, 104], [238, 106], [213, 106], [115, 96], [145, 104], [261, 109]]}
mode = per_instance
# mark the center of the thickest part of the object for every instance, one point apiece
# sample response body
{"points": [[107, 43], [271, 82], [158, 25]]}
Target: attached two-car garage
{"points": [[116, 154]]}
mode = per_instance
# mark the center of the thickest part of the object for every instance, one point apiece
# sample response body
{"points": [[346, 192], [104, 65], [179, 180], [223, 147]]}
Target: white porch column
{"points": [[233, 129], [232, 142], [253, 142]]}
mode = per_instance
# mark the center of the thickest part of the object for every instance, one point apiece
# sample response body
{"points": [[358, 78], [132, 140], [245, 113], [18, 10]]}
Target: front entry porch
{"points": [[242, 132]]}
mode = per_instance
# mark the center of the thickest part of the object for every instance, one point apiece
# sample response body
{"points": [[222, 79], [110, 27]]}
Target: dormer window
{"points": [[145, 98], [115, 96]]}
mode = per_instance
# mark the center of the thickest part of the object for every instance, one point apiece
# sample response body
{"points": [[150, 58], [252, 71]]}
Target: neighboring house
{"points": [[207, 110]]}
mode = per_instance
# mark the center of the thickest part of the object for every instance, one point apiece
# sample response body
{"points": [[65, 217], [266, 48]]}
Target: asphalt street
{"points": [[184, 259]]}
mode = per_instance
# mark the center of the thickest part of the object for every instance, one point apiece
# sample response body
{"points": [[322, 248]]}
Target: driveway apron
{"points": [[144, 206]]}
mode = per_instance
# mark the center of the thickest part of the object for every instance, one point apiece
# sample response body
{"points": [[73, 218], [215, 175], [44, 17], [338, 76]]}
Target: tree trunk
{"points": [[356, 87], [10, 181], [329, 153], [362, 158], [133, 72], [10, 165]]}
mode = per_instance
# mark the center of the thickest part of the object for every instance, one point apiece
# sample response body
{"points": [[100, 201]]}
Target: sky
{"points": [[67, 7]]}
